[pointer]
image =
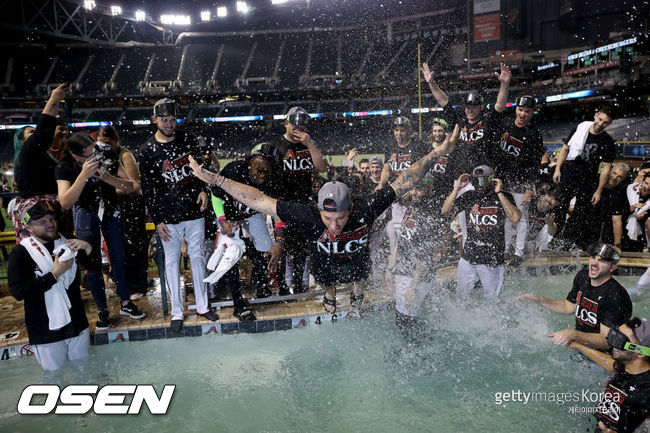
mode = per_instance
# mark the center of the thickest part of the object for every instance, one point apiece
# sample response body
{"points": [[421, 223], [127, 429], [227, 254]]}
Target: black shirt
{"points": [[598, 148], [401, 158], [486, 221], [420, 235], [34, 171], [536, 220], [608, 303], [346, 257], [613, 201], [94, 190], [168, 186], [625, 404], [297, 166], [517, 154], [240, 172], [472, 147], [25, 285]]}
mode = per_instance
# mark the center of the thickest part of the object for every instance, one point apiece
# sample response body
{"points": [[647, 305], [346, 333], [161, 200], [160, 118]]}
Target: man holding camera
{"points": [[176, 200]]}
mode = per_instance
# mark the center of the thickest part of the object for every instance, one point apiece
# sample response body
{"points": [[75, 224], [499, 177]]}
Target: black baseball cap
{"points": [[473, 98], [526, 101], [165, 107], [402, 121]]}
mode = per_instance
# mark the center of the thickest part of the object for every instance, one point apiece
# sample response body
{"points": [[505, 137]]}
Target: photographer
{"points": [[87, 178]]}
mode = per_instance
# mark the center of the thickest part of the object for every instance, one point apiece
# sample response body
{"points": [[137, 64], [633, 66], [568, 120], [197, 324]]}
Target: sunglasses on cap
{"points": [[526, 101], [474, 99], [298, 119], [166, 109], [618, 340], [605, 251], [38, 211]]}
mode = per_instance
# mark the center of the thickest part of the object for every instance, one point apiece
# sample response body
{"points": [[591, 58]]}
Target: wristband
{"points": [[217, 207], [280, 231], [221, 218]]}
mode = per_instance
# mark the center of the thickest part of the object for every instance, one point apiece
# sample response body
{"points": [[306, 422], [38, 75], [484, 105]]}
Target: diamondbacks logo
{"points": [[399, 162], [473, 134], [298, 161], [408, 228], [610, 403], [177, 171], [345, 244], [586, 311], [511, 145], [484, 218]]}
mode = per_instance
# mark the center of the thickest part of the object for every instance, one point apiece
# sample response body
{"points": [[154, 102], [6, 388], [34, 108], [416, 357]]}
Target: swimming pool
{"points": [[352, 375]]}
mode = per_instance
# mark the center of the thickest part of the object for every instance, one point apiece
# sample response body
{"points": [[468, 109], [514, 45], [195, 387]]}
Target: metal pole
{"points": [[419, 91]]}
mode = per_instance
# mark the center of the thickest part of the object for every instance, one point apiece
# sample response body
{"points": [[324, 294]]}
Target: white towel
{"points": [[577, 142], [57, 302], [225, 256]]}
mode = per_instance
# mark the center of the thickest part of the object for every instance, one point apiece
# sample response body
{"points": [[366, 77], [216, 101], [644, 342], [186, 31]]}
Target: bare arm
{"points": [[415, 173], [320, 163], [131, 168], [52, 105], [69, 193], [561, 306], [441, 97], [559, 162], [601, 358], [245, 194], [512, 212], [385, 175], [602, 181], [504, 88], [448, 205], [617, 225], [454, 138], [121, 182]]}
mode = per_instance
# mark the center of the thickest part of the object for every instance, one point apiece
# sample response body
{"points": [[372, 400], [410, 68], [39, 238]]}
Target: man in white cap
{"points": [[176, 201], [300, 156], [337, 230]]}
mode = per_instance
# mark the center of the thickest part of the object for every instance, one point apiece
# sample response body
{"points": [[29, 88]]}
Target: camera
{"points": [[104, 155]]}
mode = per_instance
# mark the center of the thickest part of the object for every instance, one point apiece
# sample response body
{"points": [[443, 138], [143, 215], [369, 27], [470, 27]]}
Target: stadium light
{"points": [[179, 20], [242, 7], [116, 10], [140, 15], [278, 2], [89, 5], [205, 15], [222, 11]]}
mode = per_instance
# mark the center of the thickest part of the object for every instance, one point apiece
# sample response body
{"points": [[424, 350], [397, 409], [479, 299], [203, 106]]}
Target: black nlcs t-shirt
{"points": [[486, 221], [625, 404], [472, 147], [536, 220], [598, 148], [239, 171], [608, 303], [94, 190], [420, 234], [344, 258], [297, 166], [168, 185], [517, 154], [401, 158]]}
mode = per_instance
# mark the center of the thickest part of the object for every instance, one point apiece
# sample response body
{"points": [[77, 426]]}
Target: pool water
{"points": [[350, 376]]}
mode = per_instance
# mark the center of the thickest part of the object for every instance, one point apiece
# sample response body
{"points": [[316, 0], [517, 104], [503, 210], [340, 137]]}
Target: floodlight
{"points": [[116, 10], [222, 11], [242, 7], [179, 20], [205, 15], [140, 15], [278, 2], [89, 5]]}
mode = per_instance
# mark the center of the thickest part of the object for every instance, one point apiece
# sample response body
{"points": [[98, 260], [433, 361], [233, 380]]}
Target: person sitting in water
{"points": [[337, 230], [487, 208], [46, 280], [598, 301], [625, 404]]}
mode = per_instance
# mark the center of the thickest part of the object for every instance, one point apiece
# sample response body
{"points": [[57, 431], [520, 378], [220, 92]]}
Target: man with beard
{"points": [[625, 404], [42, 272], [260, 170], [586, 147], [300, 156], [636, 229], [411, 267], [176, 200], [517, 159], [487, 208], [541, 219], [440, 131], [598, 301]]}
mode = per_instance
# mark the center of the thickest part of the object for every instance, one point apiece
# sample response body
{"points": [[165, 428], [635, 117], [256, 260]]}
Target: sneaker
{"points": [[137, 296], [132, 311], [103, 321], [210, 315]]}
